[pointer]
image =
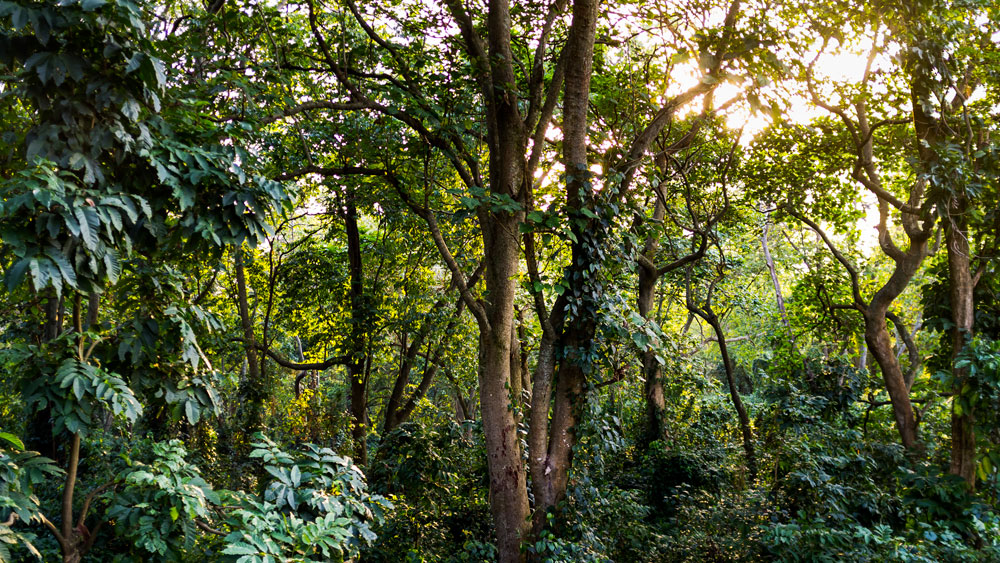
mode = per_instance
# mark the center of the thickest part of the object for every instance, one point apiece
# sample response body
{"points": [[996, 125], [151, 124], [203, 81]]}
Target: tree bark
{"points": [[653, 384], [877, 338], [709, 316], [508, 492], [961, 287], [252, 390], [356, 342], [508, 146], [577, 337]]}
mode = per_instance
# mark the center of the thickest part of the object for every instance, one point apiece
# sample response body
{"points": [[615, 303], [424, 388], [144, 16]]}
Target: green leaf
{"points": [[240, 548], [89, 225], [91, 5], [191, 411], [14, 440], [65, 270], [78, 388], [15, 275]]}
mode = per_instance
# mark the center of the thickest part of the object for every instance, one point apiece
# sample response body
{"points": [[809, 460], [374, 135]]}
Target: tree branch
{"points": [[855, 283]]}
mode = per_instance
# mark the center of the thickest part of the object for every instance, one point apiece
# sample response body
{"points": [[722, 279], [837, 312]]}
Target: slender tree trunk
{"points": [[656, 428], [779, 298], [516, 376], [538, 427], [741, 411], [359, 320], [252, 390], [963, 437], [522, 338], [73, 542]]}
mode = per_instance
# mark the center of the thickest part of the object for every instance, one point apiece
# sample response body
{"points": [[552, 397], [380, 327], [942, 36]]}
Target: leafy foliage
{"points": [[20, 472], [315, 508]]}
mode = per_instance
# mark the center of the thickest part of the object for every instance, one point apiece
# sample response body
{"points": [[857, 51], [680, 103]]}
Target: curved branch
{"points": [[855, 283], [911, 347], [89, 498], [206, 528], [284, 362], [311, 105]]}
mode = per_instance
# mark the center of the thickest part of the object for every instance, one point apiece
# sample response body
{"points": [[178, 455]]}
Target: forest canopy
{"points": [[480, 280]]}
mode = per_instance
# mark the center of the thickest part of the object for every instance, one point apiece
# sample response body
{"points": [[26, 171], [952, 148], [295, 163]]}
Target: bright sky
{"points": [[845, 66]]}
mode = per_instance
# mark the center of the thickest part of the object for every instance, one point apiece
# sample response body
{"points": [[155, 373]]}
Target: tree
{"points": [[103, 175]]}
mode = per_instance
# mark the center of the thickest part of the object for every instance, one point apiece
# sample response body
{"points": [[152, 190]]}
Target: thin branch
{"points": [[55, 532], [310, 105], [855, 283], [206, 528], [89, 498]]}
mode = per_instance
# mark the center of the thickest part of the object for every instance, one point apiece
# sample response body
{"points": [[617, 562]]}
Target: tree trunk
{"points": [[508, 146], [963, 437], [741, 411], [522, 344], [538, 425], [508, 492], [359, 322], [877, 338], [653, 386], [252, 390], [577, 338], [779, 298], [516, 376]]}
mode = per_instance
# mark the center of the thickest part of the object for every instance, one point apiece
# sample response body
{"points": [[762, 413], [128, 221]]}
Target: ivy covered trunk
{"points": [[961, 286], [653, 385], [574, 348]]}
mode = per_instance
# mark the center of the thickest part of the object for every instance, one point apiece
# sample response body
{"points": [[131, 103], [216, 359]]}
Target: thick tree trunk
{"points": [[508, 146], [508, 490], [963, 437], [877, 338]]}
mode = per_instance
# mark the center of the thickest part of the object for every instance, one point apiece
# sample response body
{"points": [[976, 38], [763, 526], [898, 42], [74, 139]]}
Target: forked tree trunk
{"points": [[877, 338]]}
